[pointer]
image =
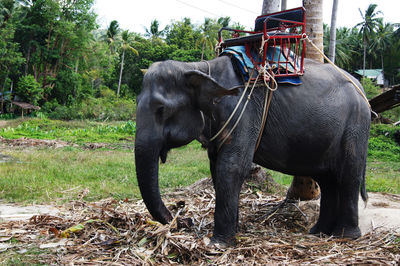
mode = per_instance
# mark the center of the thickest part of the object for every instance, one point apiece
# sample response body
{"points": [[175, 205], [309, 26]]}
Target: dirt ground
{"points": [[111, 232]]}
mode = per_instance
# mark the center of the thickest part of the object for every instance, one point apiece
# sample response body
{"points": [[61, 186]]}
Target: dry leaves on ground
{"points": [[122, 233]]}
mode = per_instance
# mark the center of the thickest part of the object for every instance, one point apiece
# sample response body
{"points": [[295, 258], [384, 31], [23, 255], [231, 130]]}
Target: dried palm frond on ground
{"points": [[111, 232]]}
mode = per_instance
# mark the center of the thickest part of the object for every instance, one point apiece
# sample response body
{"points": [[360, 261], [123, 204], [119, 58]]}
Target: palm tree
{"points": [[382, 39], [332, 39], [11, 9], [126, 38], [111, 37], [270, 6], [154, 32], [224, 21], [314, 28], [344, 48], [208, 37], [283, 5], [367, 27]]}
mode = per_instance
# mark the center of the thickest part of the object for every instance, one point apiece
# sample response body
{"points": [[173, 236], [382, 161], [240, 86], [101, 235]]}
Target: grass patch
{"points": [[32, 256], [74, 131], [383, 176], [47, 175]]}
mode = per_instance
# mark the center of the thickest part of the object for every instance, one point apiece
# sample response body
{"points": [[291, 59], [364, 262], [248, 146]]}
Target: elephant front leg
{"points": [[228, 182]]}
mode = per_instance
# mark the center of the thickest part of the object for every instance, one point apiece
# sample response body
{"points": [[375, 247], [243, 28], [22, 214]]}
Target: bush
{"points": [[370, 88], [382, 143], [29, 90], [100, 109]]}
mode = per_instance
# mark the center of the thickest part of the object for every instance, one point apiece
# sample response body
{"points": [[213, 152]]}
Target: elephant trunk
{"points": [[147, 161]]}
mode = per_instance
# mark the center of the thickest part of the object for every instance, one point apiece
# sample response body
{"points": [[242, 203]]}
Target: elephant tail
{"points": [[363, 189]]}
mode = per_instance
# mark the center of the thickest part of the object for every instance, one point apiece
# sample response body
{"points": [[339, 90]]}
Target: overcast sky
{"points": [[137, 14]]}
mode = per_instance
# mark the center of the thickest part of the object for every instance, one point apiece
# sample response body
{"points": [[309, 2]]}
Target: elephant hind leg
{"points": [[351, 175], [347, 211], [339, 208]]}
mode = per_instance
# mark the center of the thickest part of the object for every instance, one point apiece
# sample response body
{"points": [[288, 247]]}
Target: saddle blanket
{"points": [[245, 63]]}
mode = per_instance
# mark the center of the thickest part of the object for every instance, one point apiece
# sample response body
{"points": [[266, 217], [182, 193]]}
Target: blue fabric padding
{"points": [[289, 80], [245, 63], [239, 52]]}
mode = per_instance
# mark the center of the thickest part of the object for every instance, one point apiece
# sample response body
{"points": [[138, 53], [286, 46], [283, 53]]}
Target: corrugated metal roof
{"points": [[371, 73]]}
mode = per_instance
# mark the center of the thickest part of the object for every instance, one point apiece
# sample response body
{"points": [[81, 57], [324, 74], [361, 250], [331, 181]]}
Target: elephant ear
{"points": [[206, 89]]}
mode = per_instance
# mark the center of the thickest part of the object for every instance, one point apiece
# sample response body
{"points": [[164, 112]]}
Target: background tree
{"points": [[367, 27], [382, 40], [314, 28], [208, 37], [270, 6], [126, 38], [111, 37], [154, 32], [332, 39]]}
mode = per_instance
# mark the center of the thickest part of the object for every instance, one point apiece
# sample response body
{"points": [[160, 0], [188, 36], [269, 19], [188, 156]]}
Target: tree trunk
{"points": [[332, 41], [76, 65], [314, 28], [2, 96], [270, 6], [28, 58], [365, 53], [284, 5], [11, 99], [2, 92], [120, 73]]}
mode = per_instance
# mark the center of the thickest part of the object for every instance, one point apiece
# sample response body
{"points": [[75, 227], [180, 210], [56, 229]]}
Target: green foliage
{"points": [[29, 90], [382, 144], [59, 44], [393, 114], [370, 88], [98, 109], [7, 116]]}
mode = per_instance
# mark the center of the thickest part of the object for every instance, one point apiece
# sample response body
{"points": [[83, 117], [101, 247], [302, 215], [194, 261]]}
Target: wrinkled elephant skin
{"points": [[318, 129]]}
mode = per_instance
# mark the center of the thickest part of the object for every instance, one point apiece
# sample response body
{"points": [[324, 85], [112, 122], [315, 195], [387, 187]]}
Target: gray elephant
{"points": [[318, 129]]}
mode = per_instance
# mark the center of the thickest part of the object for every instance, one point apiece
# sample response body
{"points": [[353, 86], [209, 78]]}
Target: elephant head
{"points": [[170, 112]]}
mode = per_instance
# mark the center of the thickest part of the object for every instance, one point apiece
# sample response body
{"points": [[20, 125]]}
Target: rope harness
{"points": [[268, 75]]}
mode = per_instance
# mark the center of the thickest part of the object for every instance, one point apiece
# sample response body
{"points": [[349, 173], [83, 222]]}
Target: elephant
{"points": [[319, 129]]}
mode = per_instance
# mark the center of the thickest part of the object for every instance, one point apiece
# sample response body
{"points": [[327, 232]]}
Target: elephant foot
{"points": [[222, 243], [317, 229], [347, 232]]}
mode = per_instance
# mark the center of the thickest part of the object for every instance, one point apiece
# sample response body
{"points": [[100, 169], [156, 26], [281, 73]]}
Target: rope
{"points": [[209, 67], [338, 69], [263, 42], [264, 71], [241, 113], [267, 103], [236, 108]]}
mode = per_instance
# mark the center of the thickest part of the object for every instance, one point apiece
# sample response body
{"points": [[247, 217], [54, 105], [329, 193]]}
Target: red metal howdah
{"points": [[281, 35]]}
